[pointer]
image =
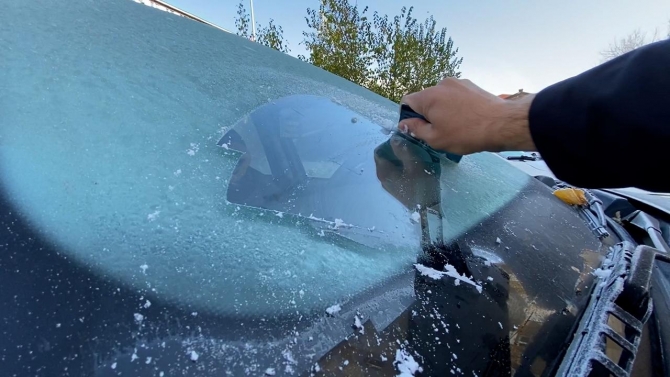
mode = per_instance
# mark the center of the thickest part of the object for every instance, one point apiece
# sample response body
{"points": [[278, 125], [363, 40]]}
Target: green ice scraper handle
{"points": [[408, 112]]}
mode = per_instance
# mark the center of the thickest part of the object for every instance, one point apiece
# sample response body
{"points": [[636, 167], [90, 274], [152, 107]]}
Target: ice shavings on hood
{"points": [[430, 272], [332, 310], [288, 356], [195, 147], [602, 274], [334, 225], [406, 364], [358, 325], [153, 216], [289, 361], [339, 223], [193, 355], [450, 271], [488, 256], [416, 217]]}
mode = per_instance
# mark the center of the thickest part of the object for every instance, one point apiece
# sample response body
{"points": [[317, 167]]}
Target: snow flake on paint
{"points": [[153, 216], [405, 363], [193, 355], [339, 223], [449, 271], [193, 150], [332, 310], [288, 356], [602, 274], [358, 325]]}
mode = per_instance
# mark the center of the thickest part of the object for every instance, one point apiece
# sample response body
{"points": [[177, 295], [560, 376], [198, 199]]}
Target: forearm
{"points": [[510, 130]]}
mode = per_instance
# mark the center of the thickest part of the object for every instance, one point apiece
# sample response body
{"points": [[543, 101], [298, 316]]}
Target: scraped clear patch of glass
{"points": [[310, 158]]}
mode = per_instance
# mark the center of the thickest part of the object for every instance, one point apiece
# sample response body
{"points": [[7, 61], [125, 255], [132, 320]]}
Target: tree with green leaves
{"points": [[271, 35], [242, 22], [340, 40], [388, 56], [410, 56]]}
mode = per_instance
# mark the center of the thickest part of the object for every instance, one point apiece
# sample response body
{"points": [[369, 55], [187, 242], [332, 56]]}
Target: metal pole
{"points": [[253, 21]]}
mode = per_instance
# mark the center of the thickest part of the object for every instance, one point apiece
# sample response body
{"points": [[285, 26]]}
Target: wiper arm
{"points": [[590, 208], [651, 226]]}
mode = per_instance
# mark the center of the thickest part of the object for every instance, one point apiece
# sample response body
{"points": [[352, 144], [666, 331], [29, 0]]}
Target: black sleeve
{"points": [[610, 126]]}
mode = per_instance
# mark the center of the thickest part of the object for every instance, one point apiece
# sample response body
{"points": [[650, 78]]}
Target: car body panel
{"points": [[658, 200]]}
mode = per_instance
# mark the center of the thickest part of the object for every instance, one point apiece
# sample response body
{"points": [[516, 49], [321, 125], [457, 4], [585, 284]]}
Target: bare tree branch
{"points": [[627, 44]]}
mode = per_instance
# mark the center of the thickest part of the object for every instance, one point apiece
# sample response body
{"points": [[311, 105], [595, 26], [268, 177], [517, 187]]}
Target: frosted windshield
{"points": [[109, 149]]}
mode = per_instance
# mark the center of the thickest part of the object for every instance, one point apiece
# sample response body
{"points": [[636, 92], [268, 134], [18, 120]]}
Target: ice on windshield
{"points": [[109, 149]]}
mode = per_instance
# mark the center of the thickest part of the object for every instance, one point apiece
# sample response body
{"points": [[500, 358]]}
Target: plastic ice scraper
{"points": [[407, 112]]}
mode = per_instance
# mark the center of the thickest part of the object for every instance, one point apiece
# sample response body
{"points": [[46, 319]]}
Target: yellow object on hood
{"points": [[572, 196]]}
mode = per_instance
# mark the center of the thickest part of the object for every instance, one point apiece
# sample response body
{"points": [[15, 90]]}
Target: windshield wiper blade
{"points": [[622, 290]]}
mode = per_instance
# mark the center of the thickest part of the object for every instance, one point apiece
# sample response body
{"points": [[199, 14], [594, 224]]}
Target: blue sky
{"points": [[506, 45]]}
